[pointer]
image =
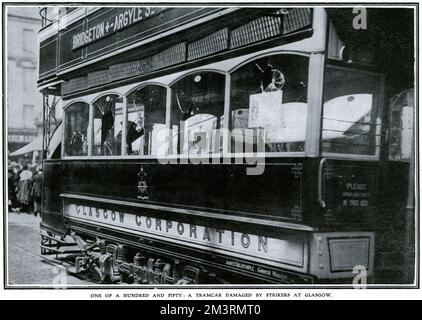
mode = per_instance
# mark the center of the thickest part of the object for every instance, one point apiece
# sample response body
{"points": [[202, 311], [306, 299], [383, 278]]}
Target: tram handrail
{"points": [[320, 186]]}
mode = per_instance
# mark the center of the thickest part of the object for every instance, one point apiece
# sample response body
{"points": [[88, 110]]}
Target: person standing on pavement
{"points": [[37, 190], [24, 188], [12, 186]]}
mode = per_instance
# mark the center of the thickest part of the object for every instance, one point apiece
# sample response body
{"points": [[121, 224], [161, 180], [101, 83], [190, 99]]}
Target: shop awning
{"points": [[34, 145]]}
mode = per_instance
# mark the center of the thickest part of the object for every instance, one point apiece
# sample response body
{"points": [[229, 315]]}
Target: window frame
{"points": [[27, 75], [226, 109], [63, 142], [297, 154], [90, 135], [389, 122], [26, 45], [28, 119], [380, 103], [125, 116], [314, 104]]}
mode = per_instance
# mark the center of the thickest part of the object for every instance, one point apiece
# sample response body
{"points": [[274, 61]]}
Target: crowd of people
{"points": [[24, 188]]}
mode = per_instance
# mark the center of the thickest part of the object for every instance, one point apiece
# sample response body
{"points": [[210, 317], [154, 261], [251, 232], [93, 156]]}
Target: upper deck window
{"points": [[108, 120], [146, 109], [270, 94], [197, 110], [401, 137], [351, 122], [76, 129]]}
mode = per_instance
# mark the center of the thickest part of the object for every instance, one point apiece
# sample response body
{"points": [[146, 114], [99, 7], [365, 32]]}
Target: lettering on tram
{"points": [[221, 240], [113, 24]]}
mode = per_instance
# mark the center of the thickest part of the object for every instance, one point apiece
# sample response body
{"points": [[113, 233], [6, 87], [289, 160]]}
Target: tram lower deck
{"points": [[182, 222]]}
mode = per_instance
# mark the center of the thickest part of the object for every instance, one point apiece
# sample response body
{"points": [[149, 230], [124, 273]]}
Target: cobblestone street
{"points": [[25, 264]]}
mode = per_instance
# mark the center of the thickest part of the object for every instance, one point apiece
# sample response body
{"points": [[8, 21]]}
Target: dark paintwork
{"points": [[286, 191], [66, 57], [226, 189], [168, 19], [337, 178], [48, 50], [52, 216], [395, 247]]}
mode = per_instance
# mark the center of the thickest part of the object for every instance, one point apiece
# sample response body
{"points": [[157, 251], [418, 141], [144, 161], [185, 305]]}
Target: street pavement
{"points": [[25, 265]]}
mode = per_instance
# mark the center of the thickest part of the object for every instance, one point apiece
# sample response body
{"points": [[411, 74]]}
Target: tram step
{"points": [[53, 238], [51, 249]]}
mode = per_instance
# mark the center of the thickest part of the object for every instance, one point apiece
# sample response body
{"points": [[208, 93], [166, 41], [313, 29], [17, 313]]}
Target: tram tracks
{"points": [[25, 263]]}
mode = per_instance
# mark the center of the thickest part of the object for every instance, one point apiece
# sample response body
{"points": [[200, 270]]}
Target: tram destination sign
{"points": [[110, 29], [113, 24]]}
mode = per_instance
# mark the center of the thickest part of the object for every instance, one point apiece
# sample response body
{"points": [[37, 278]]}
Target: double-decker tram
{"points": [[215, 145]]}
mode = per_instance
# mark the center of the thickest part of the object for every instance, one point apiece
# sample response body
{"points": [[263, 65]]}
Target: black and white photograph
{"points": [[210, 146]]}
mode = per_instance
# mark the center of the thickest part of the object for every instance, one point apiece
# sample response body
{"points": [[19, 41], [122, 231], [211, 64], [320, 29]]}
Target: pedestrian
{"points": [[24, 188], [34, 169], [12, 186], [14, 181], [37, 190]]}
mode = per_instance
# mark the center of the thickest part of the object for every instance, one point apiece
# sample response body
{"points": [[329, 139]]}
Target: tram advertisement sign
{"points": [[120, 20], [288, 252]]}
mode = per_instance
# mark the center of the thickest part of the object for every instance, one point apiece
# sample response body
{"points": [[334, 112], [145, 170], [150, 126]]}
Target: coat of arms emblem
{"points": [[142, 185]]}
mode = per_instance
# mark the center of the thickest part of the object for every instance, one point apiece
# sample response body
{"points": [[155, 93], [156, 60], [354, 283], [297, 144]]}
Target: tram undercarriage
{"points": [[105, 262], [110, 259]]}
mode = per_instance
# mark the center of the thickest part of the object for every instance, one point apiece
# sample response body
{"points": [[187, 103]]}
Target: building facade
{"points": [[24, 102]]}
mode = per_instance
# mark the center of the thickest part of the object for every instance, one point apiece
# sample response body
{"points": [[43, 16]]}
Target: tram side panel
{"points": [[346, 196], [222, 188], [395, 226], [213, 215], [217, 215], [52, 219], [348, 193]]}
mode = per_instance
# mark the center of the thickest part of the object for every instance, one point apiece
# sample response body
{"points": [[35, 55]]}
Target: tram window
{"points": [[401, 126], [270, 94], [350, 118], [146, 117], [76, 128], [197, 110], [108, 118]]}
